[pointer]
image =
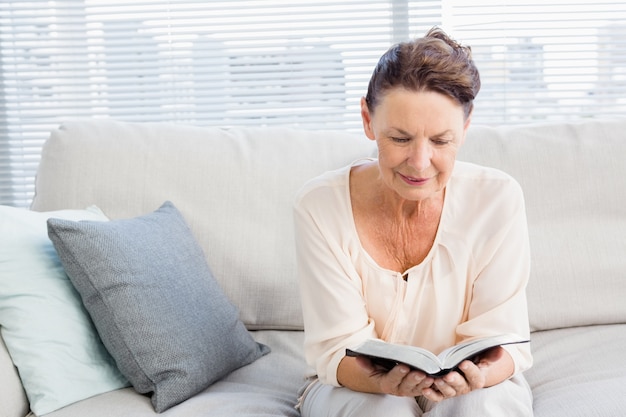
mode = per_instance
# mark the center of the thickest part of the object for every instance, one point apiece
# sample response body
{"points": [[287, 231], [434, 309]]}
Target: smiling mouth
{"points": [[414, 180]]}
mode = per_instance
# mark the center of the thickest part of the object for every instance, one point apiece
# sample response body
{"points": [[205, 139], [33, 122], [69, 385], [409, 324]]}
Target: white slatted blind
{"points": [[545, 59], [301, 63]]}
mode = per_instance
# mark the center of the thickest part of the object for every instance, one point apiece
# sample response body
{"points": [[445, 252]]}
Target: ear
{"points": [[366, 117]]}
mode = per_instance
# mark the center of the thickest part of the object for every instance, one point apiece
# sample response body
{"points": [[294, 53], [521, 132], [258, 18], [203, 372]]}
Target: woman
{"points": [[414, 248]]}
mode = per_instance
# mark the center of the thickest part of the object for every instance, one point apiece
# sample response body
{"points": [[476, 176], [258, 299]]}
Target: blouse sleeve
{"points": [[497, 299], [333, 307]]}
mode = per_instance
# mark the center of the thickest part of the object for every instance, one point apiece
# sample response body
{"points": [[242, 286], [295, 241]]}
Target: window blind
{"points": [[266, 62], [545, 60]]}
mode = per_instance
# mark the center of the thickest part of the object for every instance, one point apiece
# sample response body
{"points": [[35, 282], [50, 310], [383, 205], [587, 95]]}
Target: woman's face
{"points": [[418, 135]]}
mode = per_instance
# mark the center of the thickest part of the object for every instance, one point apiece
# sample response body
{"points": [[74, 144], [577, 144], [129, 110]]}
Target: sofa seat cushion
{"points": [[156, 305], [12, 395], [266, 387], [581, 370]]}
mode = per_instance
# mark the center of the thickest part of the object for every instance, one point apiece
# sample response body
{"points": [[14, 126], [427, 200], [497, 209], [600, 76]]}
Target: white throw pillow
{"points": [[48, 333]]}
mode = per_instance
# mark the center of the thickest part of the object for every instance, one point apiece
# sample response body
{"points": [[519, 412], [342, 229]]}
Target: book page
{"points": [[412, 356], [454, 355]]}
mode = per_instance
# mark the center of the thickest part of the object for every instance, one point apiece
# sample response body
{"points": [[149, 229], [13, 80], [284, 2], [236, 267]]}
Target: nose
{"points": [[420, 155]]}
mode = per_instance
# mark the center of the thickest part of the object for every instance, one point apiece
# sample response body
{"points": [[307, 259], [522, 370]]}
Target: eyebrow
{"points": [[400, 131], [410, 135]]}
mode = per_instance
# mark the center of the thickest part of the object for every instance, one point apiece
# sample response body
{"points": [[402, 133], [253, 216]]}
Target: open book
{"points": [[389, 355]]}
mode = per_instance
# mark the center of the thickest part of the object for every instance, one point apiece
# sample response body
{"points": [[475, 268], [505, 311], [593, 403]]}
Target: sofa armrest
{"points": [[13, 402]]}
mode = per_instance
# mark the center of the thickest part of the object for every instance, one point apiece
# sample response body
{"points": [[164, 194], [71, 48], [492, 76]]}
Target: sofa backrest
{"points": [[574, 181], [234, 187]]}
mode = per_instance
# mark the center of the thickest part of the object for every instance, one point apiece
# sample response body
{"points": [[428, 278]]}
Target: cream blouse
{"points": [[471, 283]]}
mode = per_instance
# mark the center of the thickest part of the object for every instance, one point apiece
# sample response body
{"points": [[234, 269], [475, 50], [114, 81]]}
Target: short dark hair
{"points": [[433, 63]]}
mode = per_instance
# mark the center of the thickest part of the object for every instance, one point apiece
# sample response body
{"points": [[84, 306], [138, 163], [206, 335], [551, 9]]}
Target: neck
{"points": [[412, 210]]}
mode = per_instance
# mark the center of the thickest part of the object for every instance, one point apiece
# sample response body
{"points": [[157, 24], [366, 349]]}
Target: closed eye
{"points": [[400, 139]]}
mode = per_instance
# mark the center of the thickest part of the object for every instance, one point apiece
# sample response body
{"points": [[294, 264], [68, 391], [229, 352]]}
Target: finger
{"points": [[432, 394], [415, 382], [411, 383], [423, 381], [449, 391], [472, 375], [391, 382]]}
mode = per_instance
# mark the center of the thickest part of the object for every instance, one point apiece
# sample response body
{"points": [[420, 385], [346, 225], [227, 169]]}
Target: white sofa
{"points": [[235, 189]]}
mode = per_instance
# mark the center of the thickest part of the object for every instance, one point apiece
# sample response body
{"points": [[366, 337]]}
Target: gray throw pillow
{"points": [[157, 307]]}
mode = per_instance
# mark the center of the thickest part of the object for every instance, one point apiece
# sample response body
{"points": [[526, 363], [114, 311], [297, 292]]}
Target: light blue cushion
{"points": [[48, 333], [155, 303]]}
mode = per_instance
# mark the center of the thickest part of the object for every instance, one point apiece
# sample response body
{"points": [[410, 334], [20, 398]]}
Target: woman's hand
{"points": [[456, 383], [491, 368], [400, 381], [360, 374]]}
